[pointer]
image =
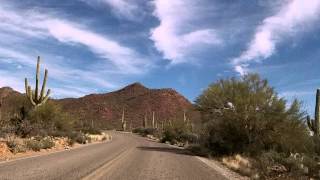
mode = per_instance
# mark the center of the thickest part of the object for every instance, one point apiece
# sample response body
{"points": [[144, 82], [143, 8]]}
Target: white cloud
{"points": [[241, 69], [175, 37], [18, 28], [63, 77], [128, 9], [12, 81], [291, 18], [123, 58]]}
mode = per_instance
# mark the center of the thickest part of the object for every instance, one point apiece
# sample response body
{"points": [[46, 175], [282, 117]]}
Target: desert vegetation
{"points": [[245, 124], [245, 117], [241, 121], [35, 122]]}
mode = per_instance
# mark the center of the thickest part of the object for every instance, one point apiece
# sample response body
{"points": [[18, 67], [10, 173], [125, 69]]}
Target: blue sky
{"points": [[95, 46]]}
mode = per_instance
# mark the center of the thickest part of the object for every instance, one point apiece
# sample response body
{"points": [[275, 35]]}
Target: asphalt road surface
{"points": [[127, 156]]}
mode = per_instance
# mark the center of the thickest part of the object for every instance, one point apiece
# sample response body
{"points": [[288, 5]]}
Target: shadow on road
{"points": [[166, 149]]}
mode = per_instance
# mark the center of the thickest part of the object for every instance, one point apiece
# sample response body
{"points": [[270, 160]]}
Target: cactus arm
{"points": [[36, 95], [317, 114], [30, 96], [44, 100], [42, 97], [26, 86], [309, 123]]}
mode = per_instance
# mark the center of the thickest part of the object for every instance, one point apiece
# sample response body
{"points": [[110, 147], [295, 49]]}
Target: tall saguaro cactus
{"points": [[123, 122], [144, 122], [34, 97], [314, 125], [0, 109], [153, 120]]}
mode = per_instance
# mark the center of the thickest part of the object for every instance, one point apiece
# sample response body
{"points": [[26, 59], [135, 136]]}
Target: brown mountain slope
{"points": [[137, 102], [105, 110], [10, 102]]}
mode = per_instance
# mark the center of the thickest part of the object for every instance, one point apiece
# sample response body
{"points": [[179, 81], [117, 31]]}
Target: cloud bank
{"points": [[289, 20], [19, 28], [177, 35]]}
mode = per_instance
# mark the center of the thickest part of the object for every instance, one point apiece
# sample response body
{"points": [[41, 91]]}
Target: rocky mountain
{"points": [[105, 110], [136, 101], [9, 99]]}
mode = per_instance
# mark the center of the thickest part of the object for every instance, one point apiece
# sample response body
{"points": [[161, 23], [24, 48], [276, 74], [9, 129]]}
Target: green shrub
{"points": [[90, 130], [47, 143], [272, 164], [51, 117], [246, 116], [45, 120], [178, 132], [77, 137], [145, 131], [169, 135], [38, 143], [33, 144]]}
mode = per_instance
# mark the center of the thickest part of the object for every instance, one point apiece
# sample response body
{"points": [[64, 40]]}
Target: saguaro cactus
{"points": [[123, 122], [144, 122], [0, 109], [34, 97], [314, 123], [153, 120]]}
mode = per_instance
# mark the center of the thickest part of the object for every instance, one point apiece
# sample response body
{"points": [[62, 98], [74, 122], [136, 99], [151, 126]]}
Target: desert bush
{"points": [[145, 131], [15, 146], [242, 165], [246, 116], [90, 130], [47, 143], [51, 118], [178, 131], [32, 144], [70, 142], [169, 135], [45, 120], [77, 137], [21, 126], [38, 143], [273, 164]]}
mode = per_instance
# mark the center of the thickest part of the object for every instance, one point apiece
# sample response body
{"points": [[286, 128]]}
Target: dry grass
{"points": [[240, 164], [99, 137]]}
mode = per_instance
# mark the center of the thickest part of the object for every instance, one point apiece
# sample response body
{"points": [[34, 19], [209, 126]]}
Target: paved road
{"points": [[127, 156]]}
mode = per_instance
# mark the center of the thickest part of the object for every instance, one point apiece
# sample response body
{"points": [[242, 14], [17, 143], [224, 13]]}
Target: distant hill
{"points": [[136, 100], [9, 99], [105, 110]]}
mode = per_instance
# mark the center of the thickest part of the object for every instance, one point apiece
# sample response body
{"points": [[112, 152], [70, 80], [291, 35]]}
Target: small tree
{"points": [[246, 116]]}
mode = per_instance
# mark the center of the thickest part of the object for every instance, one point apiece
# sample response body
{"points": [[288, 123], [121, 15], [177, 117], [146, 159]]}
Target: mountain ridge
{"points": [[136, 100]]}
